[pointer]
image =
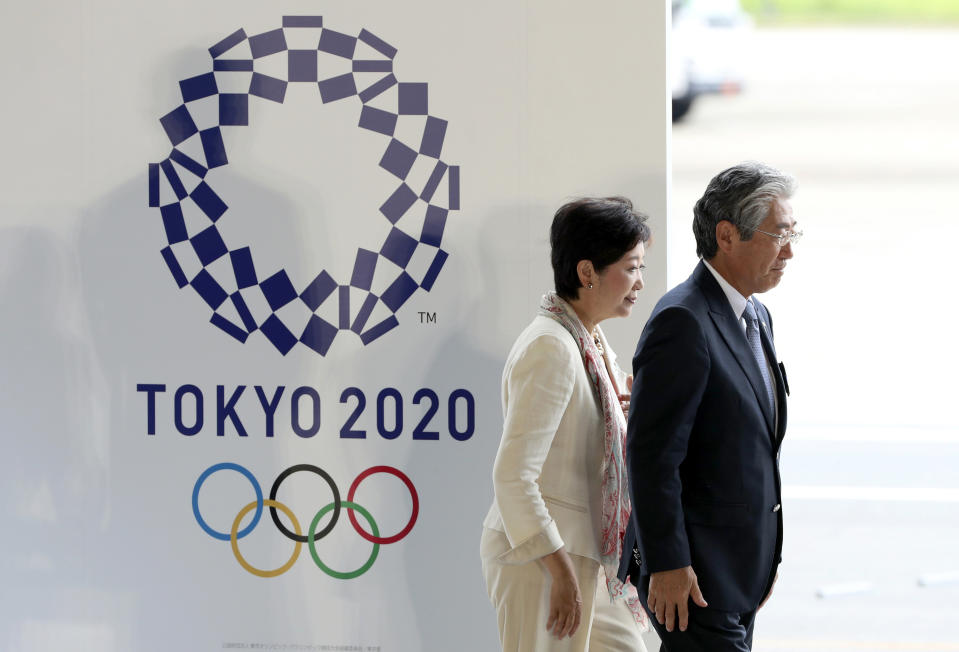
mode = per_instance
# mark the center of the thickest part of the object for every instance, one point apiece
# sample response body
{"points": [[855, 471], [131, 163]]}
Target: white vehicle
{"points": [[710, 40]]}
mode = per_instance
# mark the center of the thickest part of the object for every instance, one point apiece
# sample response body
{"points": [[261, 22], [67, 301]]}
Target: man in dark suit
{"points": [[707, 417]]}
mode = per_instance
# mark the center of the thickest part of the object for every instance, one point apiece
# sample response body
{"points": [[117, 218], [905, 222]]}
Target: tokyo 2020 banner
{"points": [[261, 264]]}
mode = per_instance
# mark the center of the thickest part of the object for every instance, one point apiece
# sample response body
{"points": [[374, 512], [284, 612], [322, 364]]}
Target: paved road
{"points": [[868, 121]]}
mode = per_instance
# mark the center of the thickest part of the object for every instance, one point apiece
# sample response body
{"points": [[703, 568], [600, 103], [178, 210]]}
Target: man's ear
{"points": [[726, 235]]}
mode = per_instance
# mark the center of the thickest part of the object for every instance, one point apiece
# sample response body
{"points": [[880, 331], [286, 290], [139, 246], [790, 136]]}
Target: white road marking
{"points": [[883, 494]]}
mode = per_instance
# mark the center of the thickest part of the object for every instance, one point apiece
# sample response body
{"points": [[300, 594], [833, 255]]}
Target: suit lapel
{"points": [[732, 332], [770, 350]]}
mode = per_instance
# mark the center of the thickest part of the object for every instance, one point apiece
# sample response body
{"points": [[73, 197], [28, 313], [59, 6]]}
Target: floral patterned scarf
{"points": [[616, 507]]}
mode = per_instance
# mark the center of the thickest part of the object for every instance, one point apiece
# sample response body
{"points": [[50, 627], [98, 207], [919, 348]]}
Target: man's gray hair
{"points": [[742, 195]]}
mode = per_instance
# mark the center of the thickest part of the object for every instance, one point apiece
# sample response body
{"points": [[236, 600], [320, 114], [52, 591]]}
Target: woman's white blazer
{"points": [[547, 478]]}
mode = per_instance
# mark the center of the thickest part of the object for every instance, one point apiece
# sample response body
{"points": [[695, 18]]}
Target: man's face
{"points": [[759, 263]]}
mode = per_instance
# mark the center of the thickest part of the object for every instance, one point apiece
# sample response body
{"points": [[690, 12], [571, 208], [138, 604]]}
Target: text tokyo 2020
{"points": [[238, 410]]}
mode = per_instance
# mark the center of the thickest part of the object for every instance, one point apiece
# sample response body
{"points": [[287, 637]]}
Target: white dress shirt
{"points": [[738, 304], [736, 300]]}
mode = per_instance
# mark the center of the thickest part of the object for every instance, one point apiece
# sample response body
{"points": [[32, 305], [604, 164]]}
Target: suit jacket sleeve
{"points": [[538, 388], [670, 369]]}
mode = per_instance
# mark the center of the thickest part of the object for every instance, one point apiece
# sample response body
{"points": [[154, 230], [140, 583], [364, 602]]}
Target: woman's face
{"points": [[615, 293]]}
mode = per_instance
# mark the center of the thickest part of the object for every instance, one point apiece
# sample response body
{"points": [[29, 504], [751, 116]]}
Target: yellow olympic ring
{"points": [[236, 547]]}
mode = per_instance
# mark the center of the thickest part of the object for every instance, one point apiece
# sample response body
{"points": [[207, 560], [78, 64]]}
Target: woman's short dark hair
{"points": [[600, 230]]}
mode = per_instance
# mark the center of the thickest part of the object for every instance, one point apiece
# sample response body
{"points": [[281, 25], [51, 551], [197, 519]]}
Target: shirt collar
{"points": [[736, 300]]}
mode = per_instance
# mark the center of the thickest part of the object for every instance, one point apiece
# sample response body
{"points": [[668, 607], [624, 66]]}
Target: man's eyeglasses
{"points": [[784, 238]]}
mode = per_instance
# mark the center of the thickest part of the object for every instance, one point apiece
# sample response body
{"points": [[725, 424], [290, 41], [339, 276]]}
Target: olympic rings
{"points": [[409, 485], [312, 536]]}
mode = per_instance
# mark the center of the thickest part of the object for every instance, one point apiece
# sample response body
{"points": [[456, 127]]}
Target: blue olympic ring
{"points": [[225, 536]]}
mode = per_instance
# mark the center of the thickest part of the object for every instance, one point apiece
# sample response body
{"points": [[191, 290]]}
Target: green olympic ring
{"points": [[316, 557]]}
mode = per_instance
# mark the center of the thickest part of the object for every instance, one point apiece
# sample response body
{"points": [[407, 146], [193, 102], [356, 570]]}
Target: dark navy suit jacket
{"points": [[702, 448]]}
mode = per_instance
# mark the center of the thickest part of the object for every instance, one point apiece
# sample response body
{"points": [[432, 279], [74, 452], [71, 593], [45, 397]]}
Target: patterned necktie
{"points": [[752, 335]]}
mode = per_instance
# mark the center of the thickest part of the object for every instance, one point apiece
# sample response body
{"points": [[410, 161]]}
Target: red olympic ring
{"points": [[409, 485]]}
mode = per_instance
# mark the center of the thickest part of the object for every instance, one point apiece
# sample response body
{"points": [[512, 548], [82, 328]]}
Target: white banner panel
{"points": [[260, 265]]}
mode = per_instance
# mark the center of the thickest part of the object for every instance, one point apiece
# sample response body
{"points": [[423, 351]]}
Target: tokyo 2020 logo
{"points": [[311, 536], [182, 181]]}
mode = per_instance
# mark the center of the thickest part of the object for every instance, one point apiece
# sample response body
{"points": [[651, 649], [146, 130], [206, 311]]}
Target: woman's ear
{"points": [[584, 269]]}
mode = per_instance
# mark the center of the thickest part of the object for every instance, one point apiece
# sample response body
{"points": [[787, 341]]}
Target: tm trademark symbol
{"points": [[427, 317]]}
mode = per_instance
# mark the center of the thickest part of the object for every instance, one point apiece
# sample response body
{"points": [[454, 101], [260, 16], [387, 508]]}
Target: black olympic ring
{"points": [[302, 538]]}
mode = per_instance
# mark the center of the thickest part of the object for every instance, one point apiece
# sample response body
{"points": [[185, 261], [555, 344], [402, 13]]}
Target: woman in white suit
{"points": [[553, 537]]}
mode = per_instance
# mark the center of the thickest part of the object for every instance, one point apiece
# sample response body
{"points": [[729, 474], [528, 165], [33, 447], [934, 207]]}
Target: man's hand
{"points": [[565, 600], [768, 595], [669, 593]]}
